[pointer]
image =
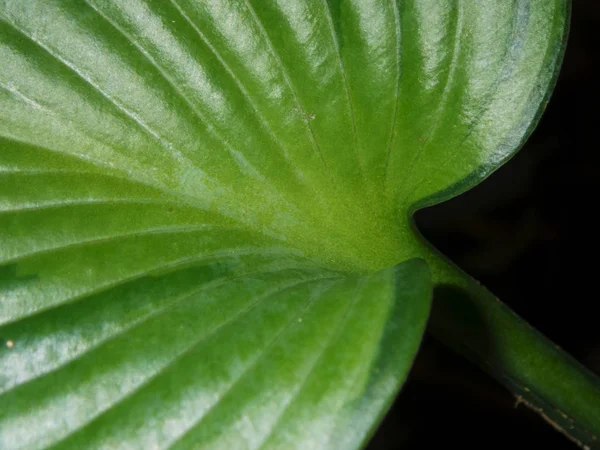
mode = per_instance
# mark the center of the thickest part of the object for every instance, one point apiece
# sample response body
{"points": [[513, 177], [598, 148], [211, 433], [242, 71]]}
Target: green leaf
{"points": [[181, 181], [274, 360]]}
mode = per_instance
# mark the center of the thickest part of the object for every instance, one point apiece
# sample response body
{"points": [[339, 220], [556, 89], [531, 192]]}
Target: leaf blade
{"points": [[167, 359], [151, 149]]}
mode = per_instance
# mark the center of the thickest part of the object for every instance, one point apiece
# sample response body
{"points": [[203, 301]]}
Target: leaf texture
{"points": [[287, 359], [203, 205]]}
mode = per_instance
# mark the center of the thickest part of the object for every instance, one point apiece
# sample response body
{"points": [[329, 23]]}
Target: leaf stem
{"points": [[542, 376]]}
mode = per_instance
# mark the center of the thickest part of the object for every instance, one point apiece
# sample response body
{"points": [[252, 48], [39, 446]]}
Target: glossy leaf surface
{"points": [[182, 181], [284, 359]]}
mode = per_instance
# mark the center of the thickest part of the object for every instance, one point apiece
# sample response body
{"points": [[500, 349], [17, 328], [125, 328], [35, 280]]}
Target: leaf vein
{"points": [[145, 385], [319, 356], [250, 367]]}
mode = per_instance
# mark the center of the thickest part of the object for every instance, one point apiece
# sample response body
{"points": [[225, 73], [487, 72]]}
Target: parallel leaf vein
{"points": [[146, 384]]}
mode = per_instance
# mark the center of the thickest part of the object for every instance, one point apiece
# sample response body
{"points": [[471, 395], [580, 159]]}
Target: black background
{"points": [[528, 234]]}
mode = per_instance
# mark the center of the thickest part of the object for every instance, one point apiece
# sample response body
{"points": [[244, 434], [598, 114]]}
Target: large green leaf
{"points": [[204, 206], [278, 360]]}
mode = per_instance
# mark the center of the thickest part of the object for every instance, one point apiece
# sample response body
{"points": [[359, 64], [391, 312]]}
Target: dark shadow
{"points": [[448, 401]]}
